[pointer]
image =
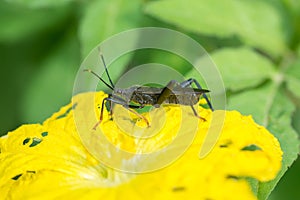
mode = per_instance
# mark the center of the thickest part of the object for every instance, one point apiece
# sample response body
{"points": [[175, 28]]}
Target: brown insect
{"points": [[137, 97]]}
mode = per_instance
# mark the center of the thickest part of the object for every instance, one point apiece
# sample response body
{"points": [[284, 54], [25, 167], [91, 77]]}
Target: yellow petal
{"points": [[51, 161]]}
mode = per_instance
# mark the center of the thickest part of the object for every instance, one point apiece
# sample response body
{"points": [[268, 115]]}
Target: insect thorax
{"points": [[125, 94], [133, 94]]}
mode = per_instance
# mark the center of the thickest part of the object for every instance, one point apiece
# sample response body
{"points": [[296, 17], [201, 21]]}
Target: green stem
{"points": [[277, 80]]}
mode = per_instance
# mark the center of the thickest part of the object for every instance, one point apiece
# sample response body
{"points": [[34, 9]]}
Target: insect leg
{"points": [[118, 100], [166, 92], [101, 113], [128, 107], [190, 82], [196, 114], [110, 107]]}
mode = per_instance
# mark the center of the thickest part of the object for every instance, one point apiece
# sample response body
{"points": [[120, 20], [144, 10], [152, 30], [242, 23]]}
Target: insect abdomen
{"points": [[190, 99]]}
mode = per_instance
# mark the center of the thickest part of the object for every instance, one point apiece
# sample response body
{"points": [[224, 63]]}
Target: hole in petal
{"points": [[26, 141], [35, 142], [16, 177], [225, 144], [44, 134], [233, 177], [178, 189], [251, 147]]}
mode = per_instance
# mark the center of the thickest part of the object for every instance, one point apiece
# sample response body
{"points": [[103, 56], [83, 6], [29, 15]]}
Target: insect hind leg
{"points": [[189, 82], [196, 114], [166, 92]]}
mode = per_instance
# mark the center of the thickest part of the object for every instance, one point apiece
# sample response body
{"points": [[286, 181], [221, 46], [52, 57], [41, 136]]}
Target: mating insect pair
{"points": [[173, 93]]}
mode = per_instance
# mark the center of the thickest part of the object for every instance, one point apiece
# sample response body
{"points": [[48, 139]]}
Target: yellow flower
{"points": [[50, 161]]}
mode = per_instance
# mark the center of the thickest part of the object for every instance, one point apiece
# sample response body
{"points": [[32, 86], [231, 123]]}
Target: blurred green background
{"points": [[255, 44]]}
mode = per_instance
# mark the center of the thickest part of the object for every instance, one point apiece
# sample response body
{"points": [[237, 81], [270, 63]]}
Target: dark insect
{"points": [[137, 97]]}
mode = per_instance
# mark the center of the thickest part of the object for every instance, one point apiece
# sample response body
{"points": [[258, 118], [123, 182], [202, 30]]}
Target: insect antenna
{"points": [[106, 70], [89, 70]]}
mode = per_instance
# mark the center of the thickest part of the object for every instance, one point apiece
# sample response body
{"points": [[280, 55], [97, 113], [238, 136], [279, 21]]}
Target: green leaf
{"points": [[51, 86], [287, 188], [296, 121], [293, 85], [293, 6], [238, 66], [294, 70], [280, 125], [255, 102], [104, 18], [256, 23], [271, 108], [162, 57], [40, 3], [292, 77], [20, 22]]}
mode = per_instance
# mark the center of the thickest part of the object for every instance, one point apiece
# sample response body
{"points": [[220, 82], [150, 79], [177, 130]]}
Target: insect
{"points": [[137, 97]]}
